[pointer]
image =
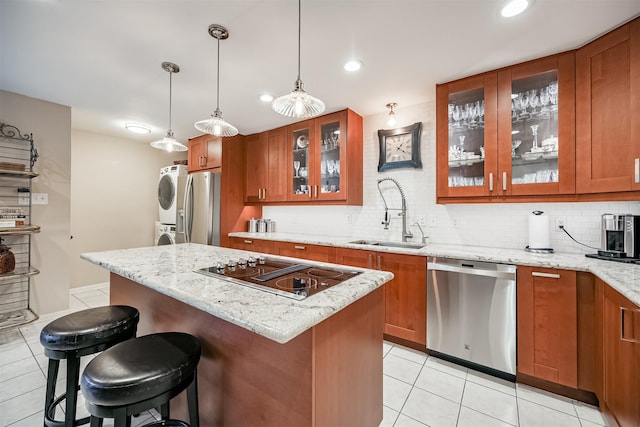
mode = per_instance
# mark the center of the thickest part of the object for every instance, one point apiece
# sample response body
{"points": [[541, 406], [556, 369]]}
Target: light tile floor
{"points": [[418, 390]]}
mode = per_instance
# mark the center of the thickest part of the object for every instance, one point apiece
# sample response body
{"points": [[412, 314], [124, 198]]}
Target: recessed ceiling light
{"points": [[353, 65], [266, 97], [137, 127], [514, 7]]}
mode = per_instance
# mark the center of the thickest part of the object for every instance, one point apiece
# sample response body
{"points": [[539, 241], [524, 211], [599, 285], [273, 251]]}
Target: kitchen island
{"points": [[266, 360]]}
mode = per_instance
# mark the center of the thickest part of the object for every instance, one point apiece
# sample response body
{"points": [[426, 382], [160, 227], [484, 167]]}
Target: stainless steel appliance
{"points": [[285, 278], [471, 313], [620, 236], [198, 215]]}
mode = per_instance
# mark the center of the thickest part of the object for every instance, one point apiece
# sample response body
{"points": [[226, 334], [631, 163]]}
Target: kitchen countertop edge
{"points": [[170, 269], [625, 278]]}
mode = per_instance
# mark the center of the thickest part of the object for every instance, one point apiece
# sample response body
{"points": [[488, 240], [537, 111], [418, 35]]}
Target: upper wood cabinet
{"points": [[547, 325], [508, 133], [205, 153], [325, 159], [405, 295], [607, 111], [266, 160]]}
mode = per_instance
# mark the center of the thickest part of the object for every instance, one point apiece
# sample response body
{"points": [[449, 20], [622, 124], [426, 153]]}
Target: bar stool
{"points": [[75, 335], [143, 373]]}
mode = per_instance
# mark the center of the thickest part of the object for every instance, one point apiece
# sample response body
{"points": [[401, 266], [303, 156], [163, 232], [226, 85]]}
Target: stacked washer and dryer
{"points": [[167, 203]]}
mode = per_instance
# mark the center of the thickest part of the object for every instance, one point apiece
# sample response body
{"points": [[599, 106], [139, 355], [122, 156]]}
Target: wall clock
{"points": [[400, 148]]}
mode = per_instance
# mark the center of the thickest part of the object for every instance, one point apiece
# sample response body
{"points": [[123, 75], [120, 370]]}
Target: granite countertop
{"points": [[625, 278], [169, 270]]}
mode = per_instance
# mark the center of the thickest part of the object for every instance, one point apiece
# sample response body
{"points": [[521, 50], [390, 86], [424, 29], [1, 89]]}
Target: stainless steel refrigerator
{"points": [[198, 213]]}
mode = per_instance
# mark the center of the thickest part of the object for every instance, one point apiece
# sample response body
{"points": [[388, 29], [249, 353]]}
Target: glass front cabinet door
{"points": [[536, 133], [466, 136], [508, 133], [318, 159]]}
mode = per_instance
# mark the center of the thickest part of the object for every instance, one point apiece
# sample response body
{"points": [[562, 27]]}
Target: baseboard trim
{"points": [[86, 288]]}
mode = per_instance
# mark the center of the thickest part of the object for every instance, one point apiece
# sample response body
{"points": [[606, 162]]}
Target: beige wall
{"points": [[113, 198], [51, 127]]}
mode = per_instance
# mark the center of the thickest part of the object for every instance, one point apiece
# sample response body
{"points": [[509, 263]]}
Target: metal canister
{"points": [[271, 226], [253, 225], [262, 226]]}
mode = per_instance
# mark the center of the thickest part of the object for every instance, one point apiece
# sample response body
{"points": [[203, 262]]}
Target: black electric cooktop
{"points": [[291, 280]]}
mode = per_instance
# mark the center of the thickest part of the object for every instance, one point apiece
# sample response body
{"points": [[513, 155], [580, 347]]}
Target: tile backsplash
{"points": [[503, 225]]}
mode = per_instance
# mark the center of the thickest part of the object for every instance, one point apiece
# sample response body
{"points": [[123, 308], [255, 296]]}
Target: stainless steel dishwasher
{"points": [[471, 313]]}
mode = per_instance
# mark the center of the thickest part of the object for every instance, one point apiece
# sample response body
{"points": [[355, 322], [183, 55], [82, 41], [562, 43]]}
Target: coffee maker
{"points": [[620, 236]]}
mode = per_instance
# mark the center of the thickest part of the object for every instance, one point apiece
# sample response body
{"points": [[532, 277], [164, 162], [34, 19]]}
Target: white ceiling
{"points": [[103, 58]]}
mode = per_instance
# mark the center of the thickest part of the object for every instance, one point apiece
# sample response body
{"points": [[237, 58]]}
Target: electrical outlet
{"points": [[39, 198], [560, 222], [349, 219]]}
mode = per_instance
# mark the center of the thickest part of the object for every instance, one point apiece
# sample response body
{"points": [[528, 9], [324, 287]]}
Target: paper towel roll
{"points": [[538, 230]]}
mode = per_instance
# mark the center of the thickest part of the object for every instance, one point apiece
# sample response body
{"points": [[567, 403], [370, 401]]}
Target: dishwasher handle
{"points": [[508, 275]]}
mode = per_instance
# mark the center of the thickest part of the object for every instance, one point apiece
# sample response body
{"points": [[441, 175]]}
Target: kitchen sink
{"points": [[389, 244]]}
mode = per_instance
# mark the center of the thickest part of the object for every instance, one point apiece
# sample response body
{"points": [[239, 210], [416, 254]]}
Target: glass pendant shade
{"points": [[216, 125], [298, 103], [169, 143]]}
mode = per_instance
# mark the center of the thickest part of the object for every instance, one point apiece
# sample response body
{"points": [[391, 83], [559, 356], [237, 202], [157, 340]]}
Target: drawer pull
{"points": [[504, 181], [300, 247], [379, 262], [637, 168], [622, 323], [249, 242], [370, 260], [491, 181], [315, 191], [549, 275]]}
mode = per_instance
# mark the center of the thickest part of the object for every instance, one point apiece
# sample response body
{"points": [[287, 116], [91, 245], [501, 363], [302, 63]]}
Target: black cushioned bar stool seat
{"points": [[75, 335], [140, 374]]}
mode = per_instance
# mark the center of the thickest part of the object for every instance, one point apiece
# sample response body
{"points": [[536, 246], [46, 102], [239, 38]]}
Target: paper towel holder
{"points": [[538, 250]]}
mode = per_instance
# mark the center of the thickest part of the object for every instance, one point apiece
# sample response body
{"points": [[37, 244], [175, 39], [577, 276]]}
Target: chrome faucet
{"points": [[406, 234], [424, 238]]}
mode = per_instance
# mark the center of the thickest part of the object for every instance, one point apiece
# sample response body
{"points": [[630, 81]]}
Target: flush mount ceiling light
{"points": [[137, 127], [514, 7], [169, 143], [266, 97], [391, 121], [298, 103], [353, 65], [216, 125]]}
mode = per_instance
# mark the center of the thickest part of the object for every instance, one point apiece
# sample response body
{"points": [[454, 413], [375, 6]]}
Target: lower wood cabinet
{"points": [[302, 250], [621, 339], [547, 325], [405, 295], [254, 245]]}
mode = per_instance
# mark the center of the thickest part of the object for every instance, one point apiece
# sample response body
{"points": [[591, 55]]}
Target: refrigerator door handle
{"points": [[188, 209]]}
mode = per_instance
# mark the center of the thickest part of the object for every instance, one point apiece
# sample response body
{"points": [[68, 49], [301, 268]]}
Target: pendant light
{"points": [[391, 120], [216, 125], [169, 143], [298, 103]]}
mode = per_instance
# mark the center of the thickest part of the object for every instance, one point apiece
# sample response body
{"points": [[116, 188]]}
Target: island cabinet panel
{"points": [[266, 160], [254, 245], [305, 251], [205, 153], [607, 111], [547, 325], [621, 341], [330, 375], [405, 295]]}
